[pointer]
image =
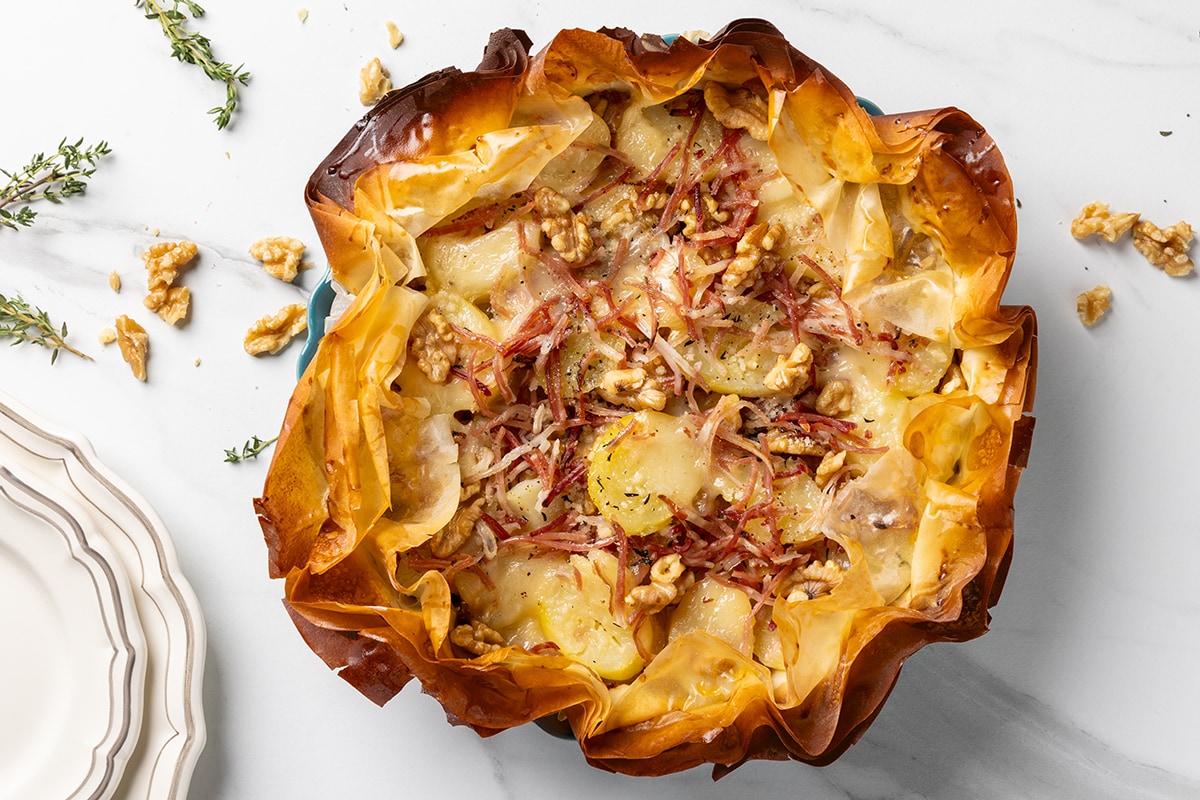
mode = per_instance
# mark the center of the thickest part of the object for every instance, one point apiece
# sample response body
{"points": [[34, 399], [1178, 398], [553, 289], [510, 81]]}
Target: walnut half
{"points": [[273, 332], [134, 343], [280, 256], [738, 108], [1166, 248], [163, 262], [567, 231], [1096, 219]]}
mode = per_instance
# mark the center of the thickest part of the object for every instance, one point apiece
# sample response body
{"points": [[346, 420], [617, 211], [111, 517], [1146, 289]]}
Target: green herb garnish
{"points": [[30, 325], [249, 450], [47, 177], [190, 47]]}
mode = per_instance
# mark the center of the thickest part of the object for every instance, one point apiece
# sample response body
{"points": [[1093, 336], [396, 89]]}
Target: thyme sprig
{"points": [[30, 325], [190, 47], [249, 450], [48, 177]]}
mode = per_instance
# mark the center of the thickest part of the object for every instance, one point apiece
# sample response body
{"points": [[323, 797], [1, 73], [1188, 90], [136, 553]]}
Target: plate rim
{"points": [[117, 608], [78, 460]]}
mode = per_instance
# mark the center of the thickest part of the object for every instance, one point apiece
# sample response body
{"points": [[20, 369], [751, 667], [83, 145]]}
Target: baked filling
{"points": [[674, 397], [665, 414]]}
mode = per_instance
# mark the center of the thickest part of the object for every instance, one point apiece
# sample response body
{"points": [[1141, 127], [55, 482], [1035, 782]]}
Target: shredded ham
{"points": [[665, 312]]}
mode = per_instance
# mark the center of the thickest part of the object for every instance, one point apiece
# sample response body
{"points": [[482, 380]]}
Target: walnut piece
{"points": [[815, 580], [477, 638], [758, 240], [280, 256], [624, 212], [791, 371], [692, 222], [633, 388], [433, 344], [107, 335], [171, 303], [831, 464], [451, 538], [568, 231], [1093, 304], [373, 82], [395, 37], [1095, 218], [1166, 248], [836, 398], [273, 332], [738, 108], [163, 261], [791, 443], [662, 590], [135, 345]]}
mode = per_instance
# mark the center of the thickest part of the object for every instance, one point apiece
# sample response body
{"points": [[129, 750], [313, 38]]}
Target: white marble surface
{"points": [[1085, 687]]}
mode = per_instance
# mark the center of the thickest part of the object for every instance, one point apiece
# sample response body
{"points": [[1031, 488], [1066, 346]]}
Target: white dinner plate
{"points": [[172, 730], [72, 674]]}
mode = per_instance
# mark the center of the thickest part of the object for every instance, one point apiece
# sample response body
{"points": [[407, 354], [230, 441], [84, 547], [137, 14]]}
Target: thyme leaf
{"points": [[249, 450], [47, 177], [190, 47], [31, 325]]}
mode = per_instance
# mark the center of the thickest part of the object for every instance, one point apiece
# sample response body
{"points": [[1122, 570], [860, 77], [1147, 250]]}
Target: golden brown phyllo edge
{"points": [[322, 493]]}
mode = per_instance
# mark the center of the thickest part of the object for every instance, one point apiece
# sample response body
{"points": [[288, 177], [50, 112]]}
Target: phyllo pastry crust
{"points": [[674, 399]]}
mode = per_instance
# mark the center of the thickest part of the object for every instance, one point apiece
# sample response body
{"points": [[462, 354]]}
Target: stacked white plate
{"points": [[100, 674]]}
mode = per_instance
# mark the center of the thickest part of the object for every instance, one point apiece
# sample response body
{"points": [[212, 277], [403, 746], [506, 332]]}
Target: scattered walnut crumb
{"points": [[738, 108], [114, 281], [163, 261], [373, 82], [1166, 248], [273, 332], [135, 345], [107, 335], [395, 37], [1093, 304], [302, 15], [280, 256], [1096, 219]]}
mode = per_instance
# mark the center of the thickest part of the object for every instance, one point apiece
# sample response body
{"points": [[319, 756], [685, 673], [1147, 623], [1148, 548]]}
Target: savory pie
{"points": [[673, 398]]}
